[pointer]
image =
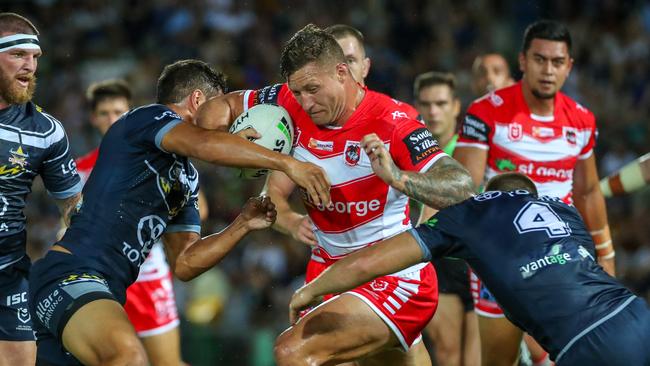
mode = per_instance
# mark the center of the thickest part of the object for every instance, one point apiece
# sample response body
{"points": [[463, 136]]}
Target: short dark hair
{"points": [[107, 89], [432, 78], [339, 31], [546, 29], [510, 182], [308, 45], [180, 79], [15, 23]]}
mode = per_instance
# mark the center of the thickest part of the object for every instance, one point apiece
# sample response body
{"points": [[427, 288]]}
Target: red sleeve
{"points": [[478, 124], [413, 147], [592, 130]]}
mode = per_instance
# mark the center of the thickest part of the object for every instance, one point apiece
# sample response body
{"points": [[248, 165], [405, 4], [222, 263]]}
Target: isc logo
{"points": [[16, 298], [360, 208]]}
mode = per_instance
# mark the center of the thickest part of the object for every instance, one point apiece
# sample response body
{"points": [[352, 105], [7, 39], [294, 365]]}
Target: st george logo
{"points": [[352, 152]]}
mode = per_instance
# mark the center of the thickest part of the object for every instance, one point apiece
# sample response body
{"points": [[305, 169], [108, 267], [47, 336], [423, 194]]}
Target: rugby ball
{"points": [[275, 126]]}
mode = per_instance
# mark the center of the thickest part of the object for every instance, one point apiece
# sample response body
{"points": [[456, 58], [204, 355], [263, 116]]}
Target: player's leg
{"points": [[416, 356], [17, 345], [471, 340], [164, 349], [500, 341], [340, 330], [446, 330], [99, 333]]}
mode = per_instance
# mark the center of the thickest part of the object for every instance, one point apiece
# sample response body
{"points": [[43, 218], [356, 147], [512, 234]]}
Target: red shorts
{"points": [[405, 303], [151, 307], [484, 302]]}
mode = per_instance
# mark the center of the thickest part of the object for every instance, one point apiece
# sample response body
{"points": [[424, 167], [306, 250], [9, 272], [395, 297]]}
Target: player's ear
{"points": [[366, 67], [522, 62], [196, 98], [342, 71]]}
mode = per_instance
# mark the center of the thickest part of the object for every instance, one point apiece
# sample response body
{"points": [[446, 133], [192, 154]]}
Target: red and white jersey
{"points": [[155, 266], [546, 149], [365, 209]]}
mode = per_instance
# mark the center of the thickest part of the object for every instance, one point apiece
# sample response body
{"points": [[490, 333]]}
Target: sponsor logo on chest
{"points": [[321, 145]]}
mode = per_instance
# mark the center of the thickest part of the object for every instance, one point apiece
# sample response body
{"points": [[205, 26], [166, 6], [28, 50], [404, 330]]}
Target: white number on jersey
{"points": [[539, 216]]}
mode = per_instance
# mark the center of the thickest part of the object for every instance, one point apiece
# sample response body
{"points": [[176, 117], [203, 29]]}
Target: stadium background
{"points": [[240, 306]]}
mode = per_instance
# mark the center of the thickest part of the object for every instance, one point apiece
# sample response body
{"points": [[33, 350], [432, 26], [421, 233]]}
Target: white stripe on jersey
{"points": [[558, 189], [533, 150], [41, 140]]}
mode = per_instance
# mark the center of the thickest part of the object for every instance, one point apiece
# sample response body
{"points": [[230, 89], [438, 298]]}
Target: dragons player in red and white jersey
{"points": [[332, 113], [533, 128], [150, 303]]}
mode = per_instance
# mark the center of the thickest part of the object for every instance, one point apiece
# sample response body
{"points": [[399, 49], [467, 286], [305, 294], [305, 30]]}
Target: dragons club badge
{"points": [[352, 152]]}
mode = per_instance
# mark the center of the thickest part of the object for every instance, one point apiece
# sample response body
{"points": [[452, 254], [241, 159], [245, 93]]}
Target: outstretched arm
{"points": [[632, 177], [444, 184], [189, 255], [67, 208], [387, 257]]}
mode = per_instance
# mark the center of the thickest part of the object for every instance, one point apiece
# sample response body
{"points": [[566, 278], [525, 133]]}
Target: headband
{"points": [[24, 41]]}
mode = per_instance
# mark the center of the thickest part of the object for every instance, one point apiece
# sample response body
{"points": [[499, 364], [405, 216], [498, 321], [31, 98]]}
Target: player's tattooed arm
{"points": [[68, 207], [444, 184]]}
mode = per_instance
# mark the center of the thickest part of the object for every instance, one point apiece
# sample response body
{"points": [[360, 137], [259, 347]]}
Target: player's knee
{"points": [[448, 353], [126, 351], [290, 351]]}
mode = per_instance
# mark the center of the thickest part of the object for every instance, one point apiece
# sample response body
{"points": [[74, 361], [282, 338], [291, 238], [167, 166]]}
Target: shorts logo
{"points": [[23, 315], [379, 285], [352, 152], [515, 131], [571, 135]]}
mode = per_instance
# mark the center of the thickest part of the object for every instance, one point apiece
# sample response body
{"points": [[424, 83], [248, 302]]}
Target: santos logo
{"points": [[361, 208]]}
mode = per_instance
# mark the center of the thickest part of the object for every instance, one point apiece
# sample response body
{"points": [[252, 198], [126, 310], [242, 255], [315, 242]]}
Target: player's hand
{"points": [[608, 265], [312, 179], [249, 134], [302, 230], [380, 159], [301, 300], [259, 213]]}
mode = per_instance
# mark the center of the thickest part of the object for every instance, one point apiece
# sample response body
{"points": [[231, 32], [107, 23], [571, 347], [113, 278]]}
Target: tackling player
{"points": [[32, 143], [143, 188], [331, 113], [537, 256], [533, 128]]}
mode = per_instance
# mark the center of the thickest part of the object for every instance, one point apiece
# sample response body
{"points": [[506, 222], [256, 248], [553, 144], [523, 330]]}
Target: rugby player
{"points": [[630, 178], [490, 72], [143, 188], [32, 143], [533, 128], [537, 256]]}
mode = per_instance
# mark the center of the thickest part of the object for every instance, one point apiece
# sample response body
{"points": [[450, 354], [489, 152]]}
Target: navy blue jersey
{"points": [[32, 143], [136, 192], [536, 257]]}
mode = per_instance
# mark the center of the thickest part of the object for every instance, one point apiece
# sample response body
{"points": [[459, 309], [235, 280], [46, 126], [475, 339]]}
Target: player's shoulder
{"points": [[391, 112], [42, 122], [500, 99], [152, 112], [574, 110]]}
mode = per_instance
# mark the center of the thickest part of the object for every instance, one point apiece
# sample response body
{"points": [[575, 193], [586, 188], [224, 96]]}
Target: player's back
{"points": [[534, 253], [135, 190], [546, 149]]}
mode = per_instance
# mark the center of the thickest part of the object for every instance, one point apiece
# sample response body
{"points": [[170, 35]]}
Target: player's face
{"points": [[492, 73], [107, 112], [439, 109], [545, 65], [17, 79], [355, 56], [319, 89]]}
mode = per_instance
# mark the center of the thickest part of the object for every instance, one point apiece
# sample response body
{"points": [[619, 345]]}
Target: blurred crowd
{"points": [[235, 311]]}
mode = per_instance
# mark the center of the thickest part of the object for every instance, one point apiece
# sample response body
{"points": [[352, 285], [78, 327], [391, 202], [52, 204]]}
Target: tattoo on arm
{"points": [[68, 207], [444, 184]]}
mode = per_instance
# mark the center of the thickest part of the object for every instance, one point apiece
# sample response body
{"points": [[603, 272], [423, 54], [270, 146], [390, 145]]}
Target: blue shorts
{"points": [[622, 340], [15, 320], [59, 286]]}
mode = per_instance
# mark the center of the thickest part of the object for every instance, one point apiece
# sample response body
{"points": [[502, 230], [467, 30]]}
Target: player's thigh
{"points": [[446, 326], [163, 349], [100, 331], [341, 329], [417, 355], [471, 340], [17, 353], [500, 341]]}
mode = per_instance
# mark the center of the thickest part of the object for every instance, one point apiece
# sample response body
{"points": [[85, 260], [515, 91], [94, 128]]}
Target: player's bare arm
{"points": [[387, 257], [217, 147], [443, 185], [632, 177], [474, 160], [279, 187], [67, 207], [219, 113], [189, 255], [589, 201]]}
